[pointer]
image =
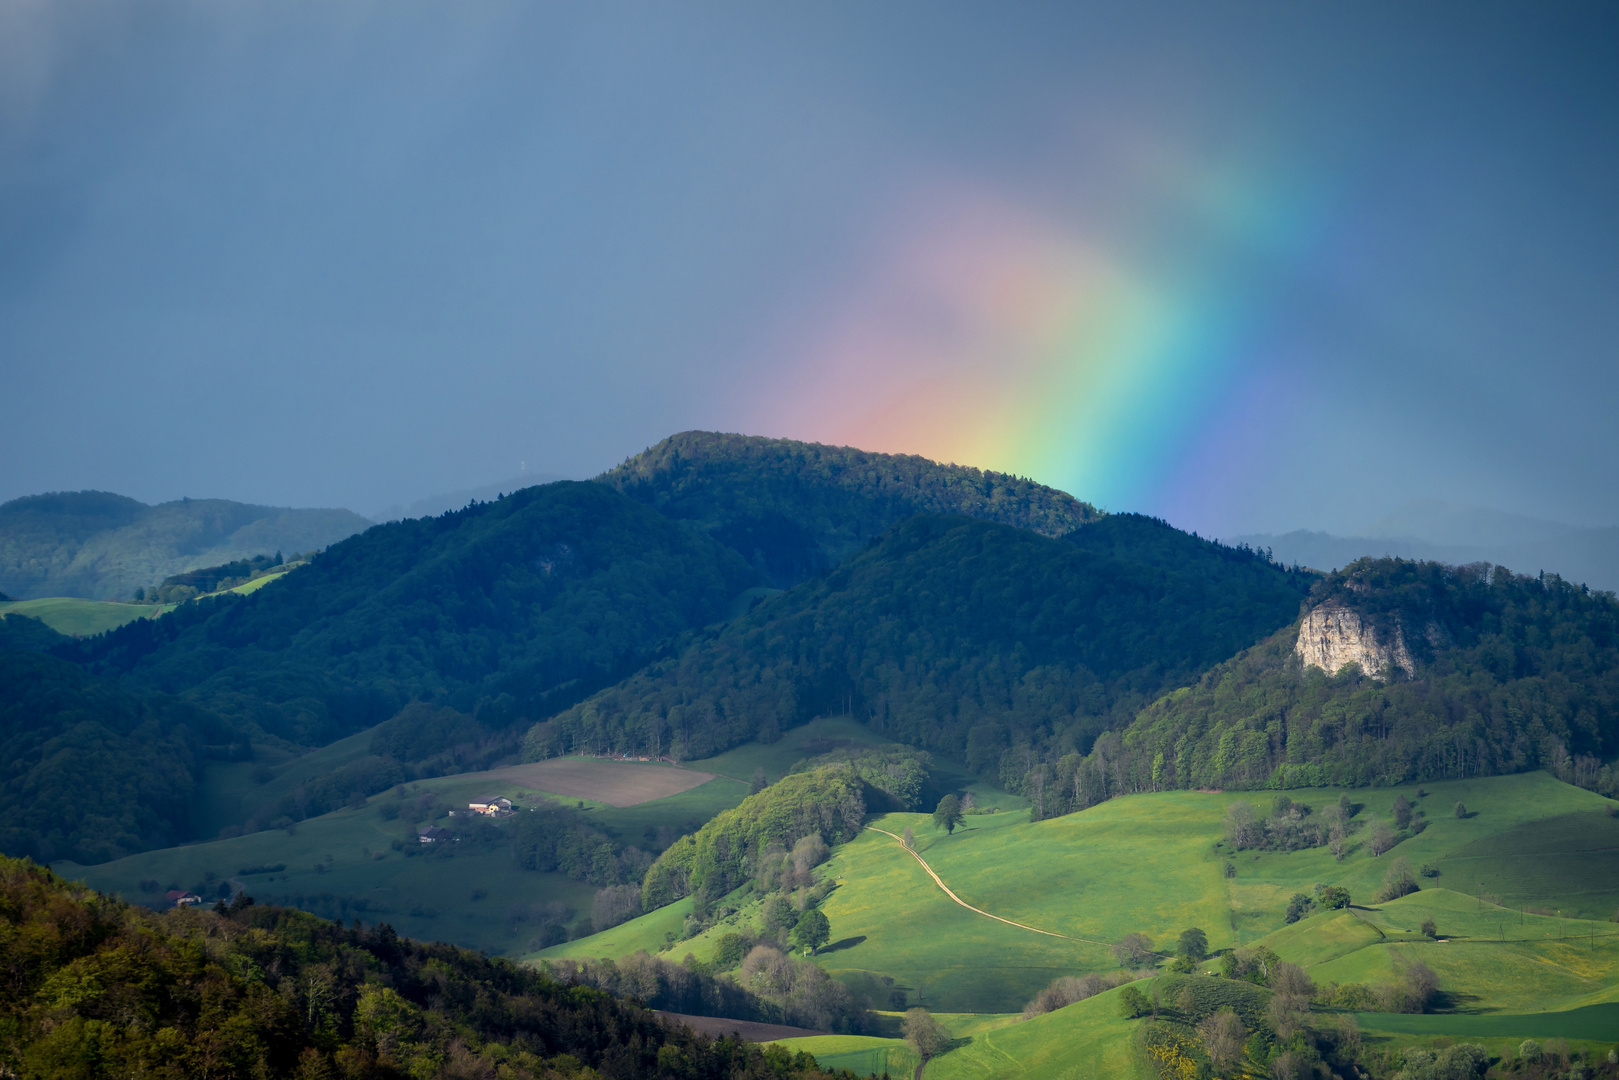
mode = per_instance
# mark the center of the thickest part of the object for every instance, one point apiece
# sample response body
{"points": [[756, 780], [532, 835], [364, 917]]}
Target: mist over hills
{"points": [[1458, 534], [102, 546]]}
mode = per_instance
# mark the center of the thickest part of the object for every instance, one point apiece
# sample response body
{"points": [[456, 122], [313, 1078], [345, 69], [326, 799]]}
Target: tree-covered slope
{"points": [[102, 546], [1510, 673], [961, 636], [95, 988], [503, 604], [90, 771], [794, 509]]}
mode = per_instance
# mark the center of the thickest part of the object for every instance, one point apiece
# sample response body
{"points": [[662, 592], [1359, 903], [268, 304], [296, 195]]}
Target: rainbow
{"points": [[1118, 363]]}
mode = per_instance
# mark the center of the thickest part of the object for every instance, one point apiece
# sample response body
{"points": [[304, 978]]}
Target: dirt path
{"points": [[937, 880]]}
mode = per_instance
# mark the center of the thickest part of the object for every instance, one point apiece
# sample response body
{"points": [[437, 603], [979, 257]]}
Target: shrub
{"points": [[1133, 1003], [1461, 810], [1398, 882], [1429, 929]]}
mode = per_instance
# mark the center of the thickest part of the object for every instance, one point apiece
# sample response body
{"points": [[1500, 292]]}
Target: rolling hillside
{"points": [[960, 636], [1157, 864], [795, 509], [101, 546], [504, 605]]}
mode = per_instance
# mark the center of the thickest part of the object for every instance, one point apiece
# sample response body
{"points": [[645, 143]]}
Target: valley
{"points": [[802, 736]]}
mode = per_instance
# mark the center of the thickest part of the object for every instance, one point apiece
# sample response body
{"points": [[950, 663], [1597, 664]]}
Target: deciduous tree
{"points": [[1133, 950], [924, 1034], [948, 814]]}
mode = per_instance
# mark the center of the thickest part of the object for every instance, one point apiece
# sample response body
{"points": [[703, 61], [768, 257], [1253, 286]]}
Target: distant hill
{"points": [[1458, 534], [962, 636], [101, 546], [794, 509]]}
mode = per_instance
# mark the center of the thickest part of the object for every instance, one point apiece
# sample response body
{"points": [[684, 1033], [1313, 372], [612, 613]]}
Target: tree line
{"points": [[96, 988]]}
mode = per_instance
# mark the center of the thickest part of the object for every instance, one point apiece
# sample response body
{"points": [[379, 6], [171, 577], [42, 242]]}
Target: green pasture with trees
{"points": [[1123, 880]]}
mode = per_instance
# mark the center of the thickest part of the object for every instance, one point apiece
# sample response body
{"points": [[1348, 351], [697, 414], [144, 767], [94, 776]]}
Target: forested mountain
{"points": [[96, 988], [1509, 673], [794, 509], [90, 770], [103, 546], [961, 636], [504, 604]]}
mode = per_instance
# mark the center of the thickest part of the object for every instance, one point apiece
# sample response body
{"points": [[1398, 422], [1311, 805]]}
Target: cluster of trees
{"points": [[899, 772], [91, 771], [1325, 898], [769, 987], [96, 988], [1262, 1017], [1067, 989], [553, 838], [990, 644], [178, 588], [827, 802], [1521, 673], [794, 509]]}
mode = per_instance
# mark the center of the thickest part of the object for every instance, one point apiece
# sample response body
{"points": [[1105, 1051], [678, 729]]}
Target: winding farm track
{"points": [[937, 880]]}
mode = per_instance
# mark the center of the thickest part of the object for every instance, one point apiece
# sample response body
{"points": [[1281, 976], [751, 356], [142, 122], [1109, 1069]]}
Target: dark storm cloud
{"points": [[357, 254]]}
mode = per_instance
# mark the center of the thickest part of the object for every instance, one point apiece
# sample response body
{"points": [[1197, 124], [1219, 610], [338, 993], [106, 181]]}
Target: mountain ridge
{"points": [[102, 546]]}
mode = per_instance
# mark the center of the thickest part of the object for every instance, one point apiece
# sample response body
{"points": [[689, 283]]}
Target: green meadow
{"points": [[345, 864], [1150, 864], [75, 617]]}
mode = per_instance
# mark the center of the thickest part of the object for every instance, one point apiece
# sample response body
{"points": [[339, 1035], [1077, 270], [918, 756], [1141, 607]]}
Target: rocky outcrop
{"points": [[1334, 635]]}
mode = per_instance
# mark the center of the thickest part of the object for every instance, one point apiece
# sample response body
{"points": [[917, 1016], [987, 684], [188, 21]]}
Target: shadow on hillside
{"points": [[846, 943], [1447, 1001]]}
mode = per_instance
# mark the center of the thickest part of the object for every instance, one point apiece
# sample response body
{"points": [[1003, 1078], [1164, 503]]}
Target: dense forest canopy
{"points": [[103, 546], [1522, 673], [90, 770], [507, 603], [795, 509], [960, 636], [96, 988]]}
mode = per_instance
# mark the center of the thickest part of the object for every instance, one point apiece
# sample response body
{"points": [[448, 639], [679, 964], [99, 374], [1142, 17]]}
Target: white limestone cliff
{"points": [[1334, 635]]}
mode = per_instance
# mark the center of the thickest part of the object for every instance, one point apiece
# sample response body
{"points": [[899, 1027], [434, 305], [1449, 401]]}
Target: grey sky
{"points": [[356, 254]]}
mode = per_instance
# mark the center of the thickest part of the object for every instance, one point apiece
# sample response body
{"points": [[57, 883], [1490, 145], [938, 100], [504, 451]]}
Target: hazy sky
{"points": [[1249, 267]]}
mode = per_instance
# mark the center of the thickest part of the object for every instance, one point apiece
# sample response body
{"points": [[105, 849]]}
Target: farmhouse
{"points": [[491, 807], [181, 898], [433, 834]]}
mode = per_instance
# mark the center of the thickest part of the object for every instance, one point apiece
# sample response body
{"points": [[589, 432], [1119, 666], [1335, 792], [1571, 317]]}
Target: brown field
{"points": [[751, 1030], [616, 783]]}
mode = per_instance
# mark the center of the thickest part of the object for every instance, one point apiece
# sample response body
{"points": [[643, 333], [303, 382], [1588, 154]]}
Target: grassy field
{"points": [[1147, 863], [343, 864], [1489, 959], [82, 618], [1087, 1039], [864, 1055]]}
